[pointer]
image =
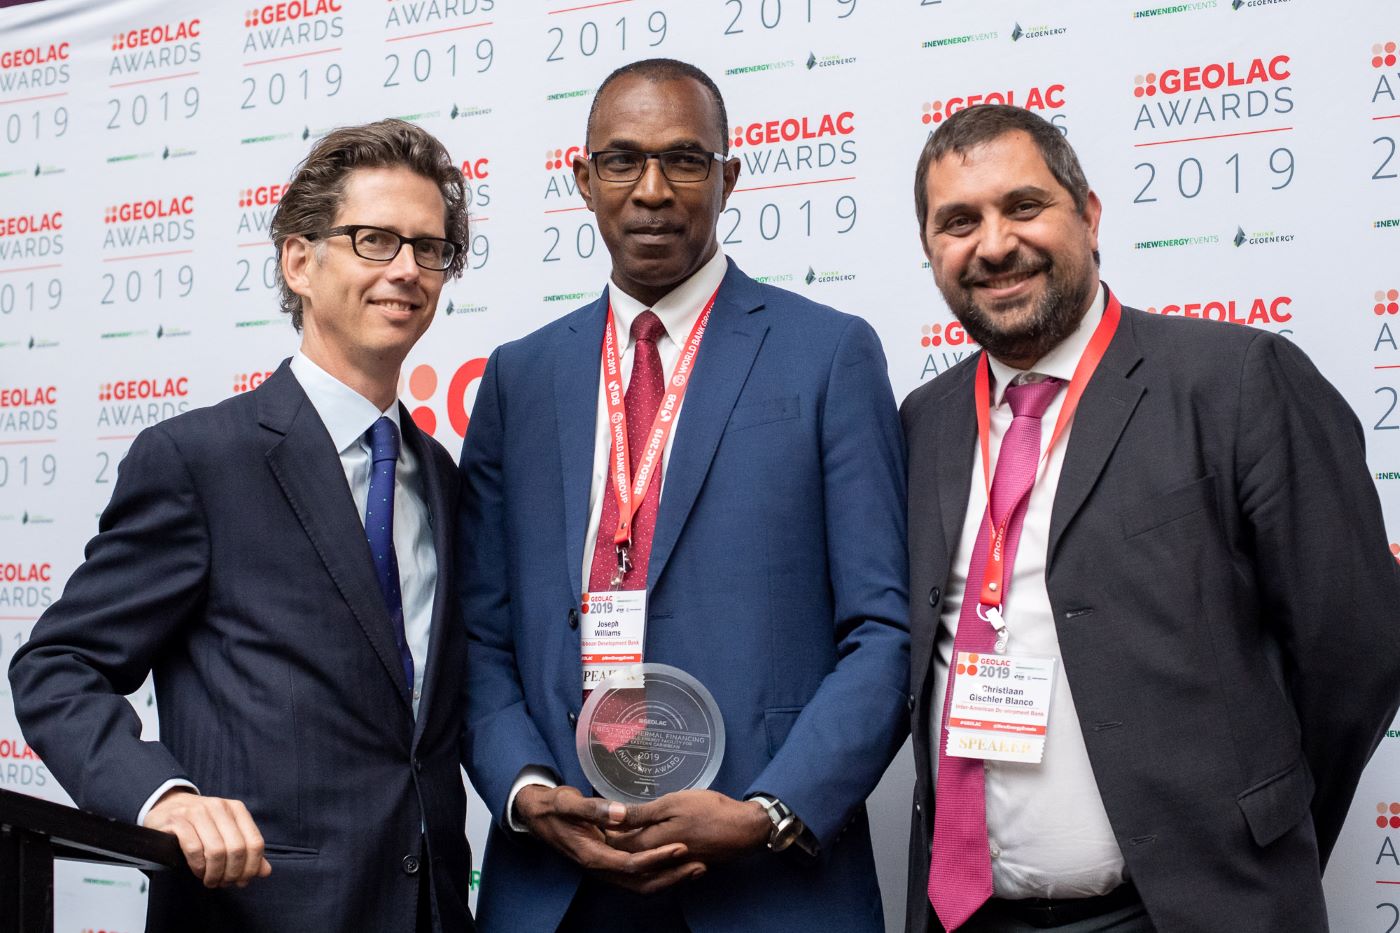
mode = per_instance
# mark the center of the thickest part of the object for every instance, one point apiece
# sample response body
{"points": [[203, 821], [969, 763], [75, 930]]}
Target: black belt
{"points": [[1049, 912]]}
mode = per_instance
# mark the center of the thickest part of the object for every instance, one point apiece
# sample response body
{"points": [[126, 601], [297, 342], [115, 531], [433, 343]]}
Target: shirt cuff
{"points": [[530, 774], [160, 792]]}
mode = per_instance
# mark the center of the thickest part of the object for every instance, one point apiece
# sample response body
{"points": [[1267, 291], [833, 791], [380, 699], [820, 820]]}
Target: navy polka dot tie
{"points": [[379, 530]]}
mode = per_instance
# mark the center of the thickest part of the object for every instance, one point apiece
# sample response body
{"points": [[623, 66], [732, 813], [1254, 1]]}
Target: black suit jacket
{"points": [[232, 562], [1216, 557]]}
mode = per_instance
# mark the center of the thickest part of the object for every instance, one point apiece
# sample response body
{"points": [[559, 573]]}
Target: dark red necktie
{"points": [[960, 867], [643, 398]]}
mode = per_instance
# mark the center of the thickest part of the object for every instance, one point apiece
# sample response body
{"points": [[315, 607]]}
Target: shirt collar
{"points": [[1060, 362], [346, 413], [678, 309]]}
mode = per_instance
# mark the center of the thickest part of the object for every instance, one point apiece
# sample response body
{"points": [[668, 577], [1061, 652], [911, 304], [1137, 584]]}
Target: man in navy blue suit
{"points": [[767, 547], [282, 563]]}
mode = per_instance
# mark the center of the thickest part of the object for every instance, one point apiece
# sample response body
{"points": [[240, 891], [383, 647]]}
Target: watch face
{"points": [[784, 834]]}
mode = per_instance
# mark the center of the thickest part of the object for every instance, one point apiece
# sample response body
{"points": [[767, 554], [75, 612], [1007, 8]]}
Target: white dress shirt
{"points": [[678, 310], [1049, 835], [347, 416]]}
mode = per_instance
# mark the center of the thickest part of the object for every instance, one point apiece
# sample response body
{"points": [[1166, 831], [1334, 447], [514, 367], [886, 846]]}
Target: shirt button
{"points": [[996, 852], [410, 864]]}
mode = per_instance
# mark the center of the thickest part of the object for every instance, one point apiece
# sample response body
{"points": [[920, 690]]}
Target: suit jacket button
{"points": [[410, 864], [918, 807], [911, 702], [573, 618], [934, 594], [573, 718], [418, 765]]}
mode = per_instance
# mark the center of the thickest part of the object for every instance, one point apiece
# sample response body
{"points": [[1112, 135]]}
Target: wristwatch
{"points": [[786, 826]]}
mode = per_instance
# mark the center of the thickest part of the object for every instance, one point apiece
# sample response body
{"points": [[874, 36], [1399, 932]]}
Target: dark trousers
{"points": [[599, 907]]}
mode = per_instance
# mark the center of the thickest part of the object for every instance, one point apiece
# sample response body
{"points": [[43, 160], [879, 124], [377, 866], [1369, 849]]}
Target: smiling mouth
{"points": [[391, 304], [1005, 281]]}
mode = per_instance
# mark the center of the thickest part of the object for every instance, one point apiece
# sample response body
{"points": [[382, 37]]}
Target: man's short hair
{"points": [[974, 126], [664, 69], [312, 199]]}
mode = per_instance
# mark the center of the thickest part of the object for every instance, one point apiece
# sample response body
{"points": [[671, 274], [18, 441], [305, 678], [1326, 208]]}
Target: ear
{"points": [[1093, 210], [296, 260], [583, 178], [731, 177]]}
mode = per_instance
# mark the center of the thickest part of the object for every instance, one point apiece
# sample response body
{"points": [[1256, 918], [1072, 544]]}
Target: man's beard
{"points": [[1057, 312]]}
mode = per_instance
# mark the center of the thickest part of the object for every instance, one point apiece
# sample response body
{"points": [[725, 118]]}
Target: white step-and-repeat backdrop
{"points": [[1246, 152]]}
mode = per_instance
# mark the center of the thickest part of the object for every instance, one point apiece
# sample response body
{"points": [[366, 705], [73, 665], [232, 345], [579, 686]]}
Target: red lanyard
{"points": [[994, 576], [630, 495]]}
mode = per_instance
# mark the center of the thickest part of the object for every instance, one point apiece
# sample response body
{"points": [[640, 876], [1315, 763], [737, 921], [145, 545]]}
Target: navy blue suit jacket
{"points": [[776, 577], [232, 562]]}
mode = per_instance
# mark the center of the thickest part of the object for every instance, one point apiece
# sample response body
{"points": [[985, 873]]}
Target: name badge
{"points": [[1000, 707], [614, 627]]}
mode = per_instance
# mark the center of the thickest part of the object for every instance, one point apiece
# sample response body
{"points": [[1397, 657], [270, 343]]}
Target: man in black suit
{"points": [[281, 562], [1200, 555]]}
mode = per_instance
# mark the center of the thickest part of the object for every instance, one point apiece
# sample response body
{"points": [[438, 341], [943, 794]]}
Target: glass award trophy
{"points": [[649, 730]]}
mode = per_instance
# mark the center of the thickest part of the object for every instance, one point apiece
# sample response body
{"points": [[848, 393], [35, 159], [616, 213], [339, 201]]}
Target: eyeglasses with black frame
{"points": [[379, 245], [679, 165]]}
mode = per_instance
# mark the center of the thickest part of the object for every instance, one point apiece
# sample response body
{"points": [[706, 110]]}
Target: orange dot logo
{"points": [[1388, 815], [738, 136], [1383, 55], [423, 386], [1395, 552], [932, 335], [1145, 85], [1387, 302], [933, 112]]}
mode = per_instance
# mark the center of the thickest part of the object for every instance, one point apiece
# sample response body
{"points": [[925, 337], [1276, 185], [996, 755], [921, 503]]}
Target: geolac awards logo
{"points": [[25, 584], [798, 143], [1037, 97], [1259, 312], [1214, 94], [141, 402]]}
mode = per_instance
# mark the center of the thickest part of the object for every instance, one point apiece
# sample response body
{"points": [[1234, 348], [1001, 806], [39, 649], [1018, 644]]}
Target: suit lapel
{"points": [[726, 355], [436, 498], [956, 454], [307, 467], [1107, 404], [947, 445], [576, 369]]}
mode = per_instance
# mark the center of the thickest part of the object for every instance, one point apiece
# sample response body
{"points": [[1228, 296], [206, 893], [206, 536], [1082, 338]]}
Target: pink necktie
{"points": [[643, 398], [960, 869]]}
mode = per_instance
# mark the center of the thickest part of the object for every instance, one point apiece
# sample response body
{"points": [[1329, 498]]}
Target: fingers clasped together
{"points": [[646, 847]]}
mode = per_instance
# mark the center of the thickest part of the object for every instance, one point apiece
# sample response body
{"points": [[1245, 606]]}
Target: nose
{"points": [[403, 267], [652, 188], [997, 239]]}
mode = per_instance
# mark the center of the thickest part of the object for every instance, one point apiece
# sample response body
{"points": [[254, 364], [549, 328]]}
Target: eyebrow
{"points": [[1015, 194], [634, 146]]}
